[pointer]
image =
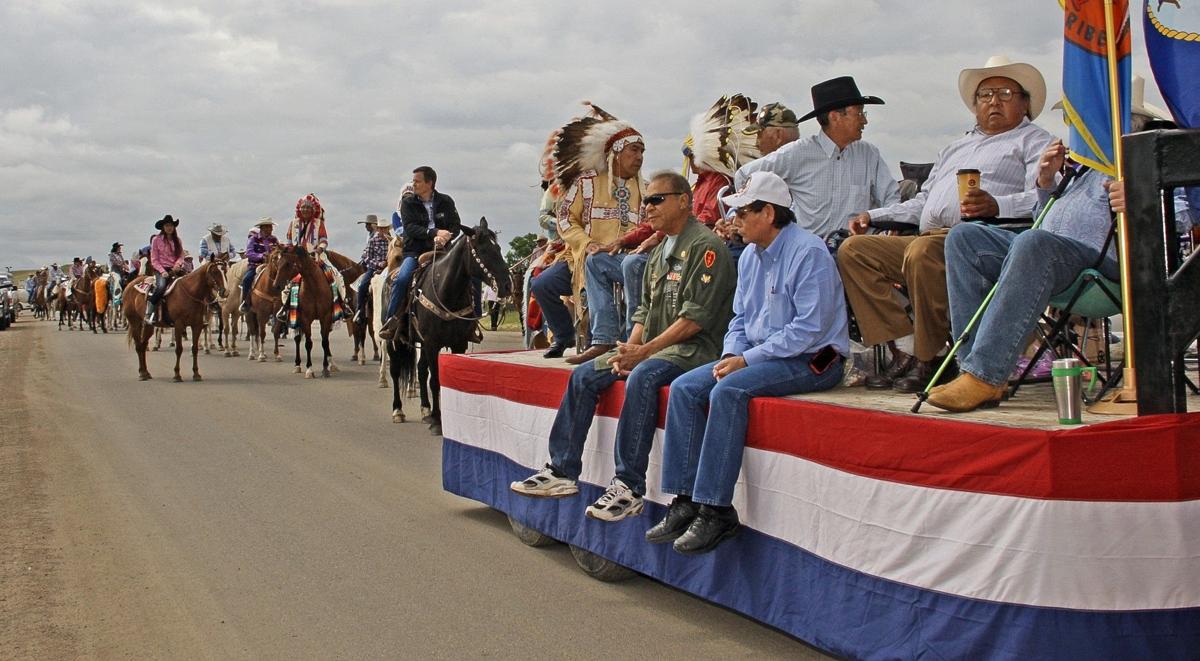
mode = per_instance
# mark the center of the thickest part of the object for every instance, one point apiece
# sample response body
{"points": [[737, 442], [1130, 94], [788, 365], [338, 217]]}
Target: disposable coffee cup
{"points": [[1067, 375], [968, 180]]}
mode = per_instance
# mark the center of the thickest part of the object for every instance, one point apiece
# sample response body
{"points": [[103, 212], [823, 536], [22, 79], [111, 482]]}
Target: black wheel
{"points": [[529, 536], [601, 569]]}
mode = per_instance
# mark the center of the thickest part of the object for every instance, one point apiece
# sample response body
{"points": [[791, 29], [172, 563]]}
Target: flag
{"points": [[1172, 30], [1086, 92]]}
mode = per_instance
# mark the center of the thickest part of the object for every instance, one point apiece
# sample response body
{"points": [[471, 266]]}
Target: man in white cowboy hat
{"points": [[215, 243], [833, 172], [788, 335], [1005, 147], [374, 260], [259, 243], [1029, 268]]}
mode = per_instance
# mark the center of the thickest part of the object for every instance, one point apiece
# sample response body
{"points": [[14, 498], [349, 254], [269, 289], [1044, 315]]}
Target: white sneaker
{"points": [[618, 502], [545, 484]]}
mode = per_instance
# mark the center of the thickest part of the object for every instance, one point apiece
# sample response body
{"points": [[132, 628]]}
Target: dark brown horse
{"points": [[440, 313], [41, 307], [84, 290], [351, 271], [185, 306], [315, 303]]}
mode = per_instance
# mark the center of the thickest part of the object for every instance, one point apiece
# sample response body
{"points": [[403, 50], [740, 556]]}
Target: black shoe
{"points": [[900, 366], [710, 527], [680, 514], [917, 380], [557, 349]]}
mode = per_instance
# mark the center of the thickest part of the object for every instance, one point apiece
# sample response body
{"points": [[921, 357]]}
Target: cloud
{"points": [[114, 113]]}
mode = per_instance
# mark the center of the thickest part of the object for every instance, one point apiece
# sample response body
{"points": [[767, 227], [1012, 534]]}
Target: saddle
{"points": [[146, 286]]}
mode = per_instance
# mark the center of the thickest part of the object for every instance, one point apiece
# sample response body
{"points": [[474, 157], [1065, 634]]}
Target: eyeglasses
{"points": [[986, 94], [659, 198], [857, 113]]}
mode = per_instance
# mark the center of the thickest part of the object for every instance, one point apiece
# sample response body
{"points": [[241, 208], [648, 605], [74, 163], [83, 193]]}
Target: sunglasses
{"points": [[658, 198]]}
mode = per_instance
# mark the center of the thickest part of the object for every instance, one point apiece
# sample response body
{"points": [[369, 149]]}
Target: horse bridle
{"points": [[439, 309]]}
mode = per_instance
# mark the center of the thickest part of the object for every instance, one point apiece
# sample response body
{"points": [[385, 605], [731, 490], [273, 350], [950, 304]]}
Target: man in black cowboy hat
{"points": [[831, 173]]}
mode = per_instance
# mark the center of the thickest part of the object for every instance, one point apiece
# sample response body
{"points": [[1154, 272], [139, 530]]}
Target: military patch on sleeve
{"points": [[710, 258], [705, 278]]}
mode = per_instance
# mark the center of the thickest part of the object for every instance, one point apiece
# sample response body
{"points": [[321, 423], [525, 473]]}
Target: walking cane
{"points": [[924, 394]]}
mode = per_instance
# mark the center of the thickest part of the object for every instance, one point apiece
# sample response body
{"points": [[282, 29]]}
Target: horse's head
{"points": [[285, 263], [214, 276], [487, 261]]}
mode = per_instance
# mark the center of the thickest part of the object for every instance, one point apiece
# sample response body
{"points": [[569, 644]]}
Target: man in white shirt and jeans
{"points": [[1005, 146]]}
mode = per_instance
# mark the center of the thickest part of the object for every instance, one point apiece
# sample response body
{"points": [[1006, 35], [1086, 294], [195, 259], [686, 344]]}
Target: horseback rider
{"points": [[118, 264], [259, 243], [307, 230], [54, 277], [76, 271], [167, 261], [215, 243], [430, 222], [374, 260]]}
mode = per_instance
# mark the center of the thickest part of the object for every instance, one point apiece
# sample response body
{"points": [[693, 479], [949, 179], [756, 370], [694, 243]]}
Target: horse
{"points": [[41, 308], [112, 312], [314, 303], [377, 304], [351, 271], [96, 308], [265, 302], [68, 308], [184, 305], [440, 313], [231, 308]]}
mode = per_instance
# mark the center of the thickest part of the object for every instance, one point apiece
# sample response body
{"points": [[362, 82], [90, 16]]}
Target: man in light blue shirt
{"points": [[788, 335], [833, 173]]}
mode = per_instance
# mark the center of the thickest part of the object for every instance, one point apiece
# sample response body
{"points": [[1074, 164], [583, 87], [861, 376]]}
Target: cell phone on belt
{"points": [[823, 359]]}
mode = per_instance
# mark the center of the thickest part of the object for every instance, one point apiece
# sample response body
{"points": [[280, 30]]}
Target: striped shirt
{"points": [[1008, 166], [828, 184]]}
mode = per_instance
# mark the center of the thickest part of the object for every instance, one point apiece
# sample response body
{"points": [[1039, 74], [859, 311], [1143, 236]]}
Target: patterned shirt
{"points": [[1008, 166], [828, 184], [374, 255]]}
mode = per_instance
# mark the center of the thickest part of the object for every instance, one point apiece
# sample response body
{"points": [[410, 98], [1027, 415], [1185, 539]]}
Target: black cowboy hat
{"points": [[166, 219], [116, 244], [838, 93]]}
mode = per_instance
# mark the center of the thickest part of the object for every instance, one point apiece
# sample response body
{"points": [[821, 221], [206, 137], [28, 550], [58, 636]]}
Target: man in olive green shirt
{"points": [[686, 304]]}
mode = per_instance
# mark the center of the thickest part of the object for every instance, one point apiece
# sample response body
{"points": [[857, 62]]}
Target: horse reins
{"points": [[439, 309]]}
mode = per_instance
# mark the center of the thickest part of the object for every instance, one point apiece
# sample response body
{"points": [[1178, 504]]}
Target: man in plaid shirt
{"points": [[374, 260]]}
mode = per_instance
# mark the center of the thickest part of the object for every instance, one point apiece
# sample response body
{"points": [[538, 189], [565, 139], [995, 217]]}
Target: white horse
{"points": [[231, 307]]}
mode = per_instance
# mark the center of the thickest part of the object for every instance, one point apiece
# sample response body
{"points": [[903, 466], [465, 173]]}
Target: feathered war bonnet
{"points": [[719, 141], [586, 144]]}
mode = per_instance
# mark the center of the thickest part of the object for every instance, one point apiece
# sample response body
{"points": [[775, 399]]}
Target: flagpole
{"points": [[1123, 399]]}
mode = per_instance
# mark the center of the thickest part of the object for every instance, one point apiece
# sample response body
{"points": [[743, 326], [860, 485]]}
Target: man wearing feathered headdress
{"points": [[596, 162], [833, 173]]}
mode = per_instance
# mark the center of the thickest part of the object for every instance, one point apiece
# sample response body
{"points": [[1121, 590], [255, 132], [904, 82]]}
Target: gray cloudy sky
{"points": [[114, 113]]}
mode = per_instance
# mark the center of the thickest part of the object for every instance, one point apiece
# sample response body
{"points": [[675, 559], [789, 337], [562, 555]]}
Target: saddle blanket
{"points": [[146, 285]]}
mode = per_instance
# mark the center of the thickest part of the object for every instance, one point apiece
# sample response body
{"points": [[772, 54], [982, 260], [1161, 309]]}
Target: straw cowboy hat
{"points": [[217, 228], [166, 219], [1138, 105], [1026, 75], [264, 221]]}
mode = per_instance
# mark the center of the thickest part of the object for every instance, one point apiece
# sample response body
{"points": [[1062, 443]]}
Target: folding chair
{"points": [[1091, 296]]}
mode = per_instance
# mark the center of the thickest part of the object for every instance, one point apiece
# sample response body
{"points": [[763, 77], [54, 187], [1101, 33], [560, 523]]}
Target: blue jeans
{"points": [[632, 269], [1030, 268], [364, 286], [635, 427], [548, 288], [702, 460], [248, 282], [400, 284], [602, 271]]}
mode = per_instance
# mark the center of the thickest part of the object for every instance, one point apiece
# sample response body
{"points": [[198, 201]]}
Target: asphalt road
{"points": [[261, 515]]}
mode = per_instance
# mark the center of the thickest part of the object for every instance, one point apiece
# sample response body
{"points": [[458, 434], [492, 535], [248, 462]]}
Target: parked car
{"points": [[8, 301]]}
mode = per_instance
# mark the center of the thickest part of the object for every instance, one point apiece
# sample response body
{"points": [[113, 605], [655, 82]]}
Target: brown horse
{"points": [[265, 302], [84, 290], [185, 306], [315, 304], [68, 308], [41, 307]]}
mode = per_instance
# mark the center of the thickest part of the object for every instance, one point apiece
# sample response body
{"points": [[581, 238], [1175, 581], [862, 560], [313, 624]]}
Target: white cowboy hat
{"points": [[1138, 105], [265, 220], [217, 228], [1026, 75]]}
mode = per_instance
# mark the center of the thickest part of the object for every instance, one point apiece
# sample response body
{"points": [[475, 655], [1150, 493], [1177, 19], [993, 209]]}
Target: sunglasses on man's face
{"points": [[658, 198]]}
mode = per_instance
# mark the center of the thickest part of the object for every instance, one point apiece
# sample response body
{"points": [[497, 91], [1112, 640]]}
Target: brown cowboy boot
{"points": [[593, 352], [967, 393]]}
